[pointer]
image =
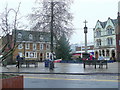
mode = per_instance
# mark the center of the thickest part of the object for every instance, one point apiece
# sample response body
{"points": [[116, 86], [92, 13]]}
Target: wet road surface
{"points": [[70, 81]]}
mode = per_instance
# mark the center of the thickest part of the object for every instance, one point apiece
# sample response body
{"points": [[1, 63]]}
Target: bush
{"points": [[4, 76]]}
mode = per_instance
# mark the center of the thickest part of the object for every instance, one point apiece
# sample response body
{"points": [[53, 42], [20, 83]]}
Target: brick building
{"points": [[118, 38], [33, 45], [6, 46]]}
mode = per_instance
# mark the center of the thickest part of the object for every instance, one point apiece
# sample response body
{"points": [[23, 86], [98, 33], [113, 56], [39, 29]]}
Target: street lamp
{"points": [[85, 31]]}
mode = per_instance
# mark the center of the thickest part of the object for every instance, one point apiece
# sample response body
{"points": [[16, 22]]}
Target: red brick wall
{"points": [[118, 38], [14, 82]]}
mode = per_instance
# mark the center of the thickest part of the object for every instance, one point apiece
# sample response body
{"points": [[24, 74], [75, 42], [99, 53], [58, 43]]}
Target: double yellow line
{"points": [[73, 79]]}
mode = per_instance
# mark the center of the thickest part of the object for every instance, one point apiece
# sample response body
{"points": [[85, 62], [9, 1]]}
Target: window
{"points": [[26, 54], [31, 54], [107, 53], [19, 35], [98, 42], [30, 37], [41, 37], [34, 46], [98, 33], [109, 41], [27, 46], [20, 53], [20, 46], [109, 31], [41, 46], [47, 55], [35, 54], [47, 46]]}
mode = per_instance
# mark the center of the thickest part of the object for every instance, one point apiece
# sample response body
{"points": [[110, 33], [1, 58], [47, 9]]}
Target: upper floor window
{"points": [[34, 46], [98, 43], [19, 35], [30, 36], [41, 37], [27, 46], [109, 41], [109, 31], [98, 33], [20, 46]]}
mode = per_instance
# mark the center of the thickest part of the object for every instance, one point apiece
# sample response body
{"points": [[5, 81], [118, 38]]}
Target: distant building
{"points": [[78, 50], [5, 47], [73, 47], [105, 38], [33, 45]]}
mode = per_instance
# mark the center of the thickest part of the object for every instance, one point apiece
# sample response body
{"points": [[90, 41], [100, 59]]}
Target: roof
{"points": [[115, 21], [103, 24], [35, 34]]}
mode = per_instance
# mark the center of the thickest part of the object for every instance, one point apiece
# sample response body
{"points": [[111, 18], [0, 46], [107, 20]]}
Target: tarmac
{"points": [[63, 68]]}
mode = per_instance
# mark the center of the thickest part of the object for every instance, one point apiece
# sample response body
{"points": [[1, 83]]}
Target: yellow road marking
{"points": [[74, 79]]}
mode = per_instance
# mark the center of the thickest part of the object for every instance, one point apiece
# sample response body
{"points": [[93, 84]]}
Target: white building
{"points": [[105, 38]]}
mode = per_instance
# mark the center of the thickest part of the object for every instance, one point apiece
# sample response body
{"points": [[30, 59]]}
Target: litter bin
{"points": [[46, 63]]}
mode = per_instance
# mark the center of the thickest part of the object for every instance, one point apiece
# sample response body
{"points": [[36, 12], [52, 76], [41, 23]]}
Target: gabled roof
{"points": [[115, 21], [103, 24]]}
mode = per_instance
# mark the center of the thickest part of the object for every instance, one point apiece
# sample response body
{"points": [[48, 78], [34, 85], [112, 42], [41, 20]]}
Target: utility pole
{"points": [[85, 31]]}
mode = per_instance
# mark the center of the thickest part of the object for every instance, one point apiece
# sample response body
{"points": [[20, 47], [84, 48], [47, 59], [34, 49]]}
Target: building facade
{"points": [[6, 47], [105, 38], [118, 38], [33, 45]]}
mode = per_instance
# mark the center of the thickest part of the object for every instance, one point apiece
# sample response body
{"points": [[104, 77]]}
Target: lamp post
{"points": [[85, 31]]}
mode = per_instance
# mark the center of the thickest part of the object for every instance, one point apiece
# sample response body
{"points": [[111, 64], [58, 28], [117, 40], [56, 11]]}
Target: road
{"points": [[70, 81], [98, 80]]}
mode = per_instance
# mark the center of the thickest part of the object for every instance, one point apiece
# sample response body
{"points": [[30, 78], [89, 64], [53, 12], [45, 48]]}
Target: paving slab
{"points": [[63, 68]]}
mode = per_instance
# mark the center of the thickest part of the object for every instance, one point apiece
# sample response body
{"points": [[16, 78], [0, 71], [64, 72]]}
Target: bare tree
{"points": [[56, 11], [9, 22]]}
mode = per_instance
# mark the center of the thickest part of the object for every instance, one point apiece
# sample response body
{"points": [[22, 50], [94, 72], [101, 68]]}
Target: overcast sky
{"points": [[90, 10]]}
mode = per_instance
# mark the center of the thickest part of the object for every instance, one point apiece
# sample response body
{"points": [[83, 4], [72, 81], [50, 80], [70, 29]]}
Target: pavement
{"points": [[63, 68]]}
